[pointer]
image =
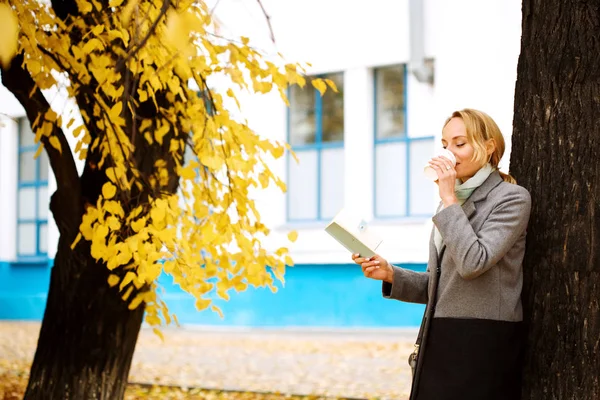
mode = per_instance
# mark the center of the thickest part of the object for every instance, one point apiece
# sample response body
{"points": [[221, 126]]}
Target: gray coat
{"points": [[481, 259]]}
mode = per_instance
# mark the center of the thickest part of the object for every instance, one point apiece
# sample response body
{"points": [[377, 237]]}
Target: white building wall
{"points": [[475, 45], [10, 111], [478, 46], [8, 184]]}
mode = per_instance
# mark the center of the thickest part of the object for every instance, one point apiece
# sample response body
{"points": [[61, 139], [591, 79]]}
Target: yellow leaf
{"points": [[332, 85], [202, 304], [9, 35], [124, 255], [98, 249], [218, 311], [111, 173], [115, 34], [178, 31], [278, 151], [114, 208], [127, 11], [127, 293], [38, 152], [292, 236], [113, 223], [34, 66], [77, 239], [159, 334], [92, 45], [145, 125], [129, 276], [115, 3], [84, 6], [138, 225], [78, 130], [54, 142], [187, 173], [158, 215], [108, 190], [115, 114], [160, 133], [98, 29], [113, 280], [319, 85], [263, 179], [137, 300], [100, 233]]}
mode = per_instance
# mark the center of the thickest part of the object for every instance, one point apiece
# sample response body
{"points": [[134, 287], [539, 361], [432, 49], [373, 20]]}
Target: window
{"points": [[316, 133], [400, 189], [32, 196]]}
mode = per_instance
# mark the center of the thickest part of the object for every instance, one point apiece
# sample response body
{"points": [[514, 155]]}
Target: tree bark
{"points": [[556, 155], [88, 334]]}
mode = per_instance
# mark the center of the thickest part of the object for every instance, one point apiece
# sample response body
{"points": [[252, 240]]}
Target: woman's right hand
{"points": [[375, 267]]}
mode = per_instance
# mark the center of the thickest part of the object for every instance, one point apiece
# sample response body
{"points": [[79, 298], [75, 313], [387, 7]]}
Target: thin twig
{"points": [[268, 20], [214, 8]]}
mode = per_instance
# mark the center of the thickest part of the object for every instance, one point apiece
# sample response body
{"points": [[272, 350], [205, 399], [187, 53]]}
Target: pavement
{"points": [[327, 362]]}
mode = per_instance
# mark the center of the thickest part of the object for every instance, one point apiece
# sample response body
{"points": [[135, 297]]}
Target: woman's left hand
{"points": [[446, 179]]}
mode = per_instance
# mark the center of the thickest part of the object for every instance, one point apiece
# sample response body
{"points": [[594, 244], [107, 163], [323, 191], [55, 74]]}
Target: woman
{"points": [[470, 340]]}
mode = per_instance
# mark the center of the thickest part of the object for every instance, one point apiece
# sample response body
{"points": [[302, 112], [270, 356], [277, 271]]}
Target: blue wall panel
{"points": [[313, 296], [23, 290]]}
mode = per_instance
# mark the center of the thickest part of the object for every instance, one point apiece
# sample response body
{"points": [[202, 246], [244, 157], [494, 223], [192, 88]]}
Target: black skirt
{"points": [[471, 359]]}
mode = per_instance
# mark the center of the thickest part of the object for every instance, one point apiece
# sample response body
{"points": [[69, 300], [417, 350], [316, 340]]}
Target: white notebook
{"points": [[353, 233]]}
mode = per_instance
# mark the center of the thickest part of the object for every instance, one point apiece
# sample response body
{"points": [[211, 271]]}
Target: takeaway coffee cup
{"points": [[430, 171]]}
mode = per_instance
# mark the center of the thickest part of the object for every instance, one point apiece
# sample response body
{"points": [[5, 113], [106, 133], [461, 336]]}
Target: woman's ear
{"points": [[490, 147]]}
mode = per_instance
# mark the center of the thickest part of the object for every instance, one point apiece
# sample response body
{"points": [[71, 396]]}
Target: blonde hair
{"points": [[480, 129]]}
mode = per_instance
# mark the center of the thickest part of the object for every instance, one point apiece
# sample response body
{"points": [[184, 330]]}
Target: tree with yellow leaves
{"points": [[139, 72]]}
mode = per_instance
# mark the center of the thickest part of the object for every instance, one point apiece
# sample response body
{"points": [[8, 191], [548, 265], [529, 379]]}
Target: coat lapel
{"points": [[481, 193]]}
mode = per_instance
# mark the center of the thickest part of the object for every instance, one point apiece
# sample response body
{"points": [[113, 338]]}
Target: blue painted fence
{"points": [[313, 296]]}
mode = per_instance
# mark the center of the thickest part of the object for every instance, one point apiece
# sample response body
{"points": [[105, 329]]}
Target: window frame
{"points": [[36, 184], [318, 146], [405, 138]]}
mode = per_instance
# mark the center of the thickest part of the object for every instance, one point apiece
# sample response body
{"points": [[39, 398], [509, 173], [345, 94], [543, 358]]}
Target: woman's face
{"points": [[454, 138]]}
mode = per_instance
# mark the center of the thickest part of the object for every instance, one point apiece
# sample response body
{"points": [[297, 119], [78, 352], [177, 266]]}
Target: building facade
{"points": [[401, 67]]}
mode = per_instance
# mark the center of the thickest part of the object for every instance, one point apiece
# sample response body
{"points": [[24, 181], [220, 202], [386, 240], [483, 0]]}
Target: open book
{"points": [[353, 233]]}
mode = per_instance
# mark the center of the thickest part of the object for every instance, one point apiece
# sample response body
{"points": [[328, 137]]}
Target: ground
{"points": [[362, 364]]}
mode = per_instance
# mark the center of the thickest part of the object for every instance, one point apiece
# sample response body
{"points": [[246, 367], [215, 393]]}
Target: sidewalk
{"points": [[345, 363]]}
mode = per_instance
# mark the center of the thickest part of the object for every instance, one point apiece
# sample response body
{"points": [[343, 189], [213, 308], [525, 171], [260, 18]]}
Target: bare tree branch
{"points": [[212, 10], [268, 18], [18, 81]]}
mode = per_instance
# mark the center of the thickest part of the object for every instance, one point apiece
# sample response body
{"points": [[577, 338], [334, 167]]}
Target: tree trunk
{"points": [[88, 334], [556, 155]]}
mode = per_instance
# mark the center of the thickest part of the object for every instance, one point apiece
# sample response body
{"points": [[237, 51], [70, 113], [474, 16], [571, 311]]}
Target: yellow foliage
{"points": [[9, 35], [320, 85], [208, 236], [292, 236], [108, 191], [113, 280]]}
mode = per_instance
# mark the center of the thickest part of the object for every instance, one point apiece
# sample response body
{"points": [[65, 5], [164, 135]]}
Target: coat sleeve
{"points": [[407, 286], [475, 253]]}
